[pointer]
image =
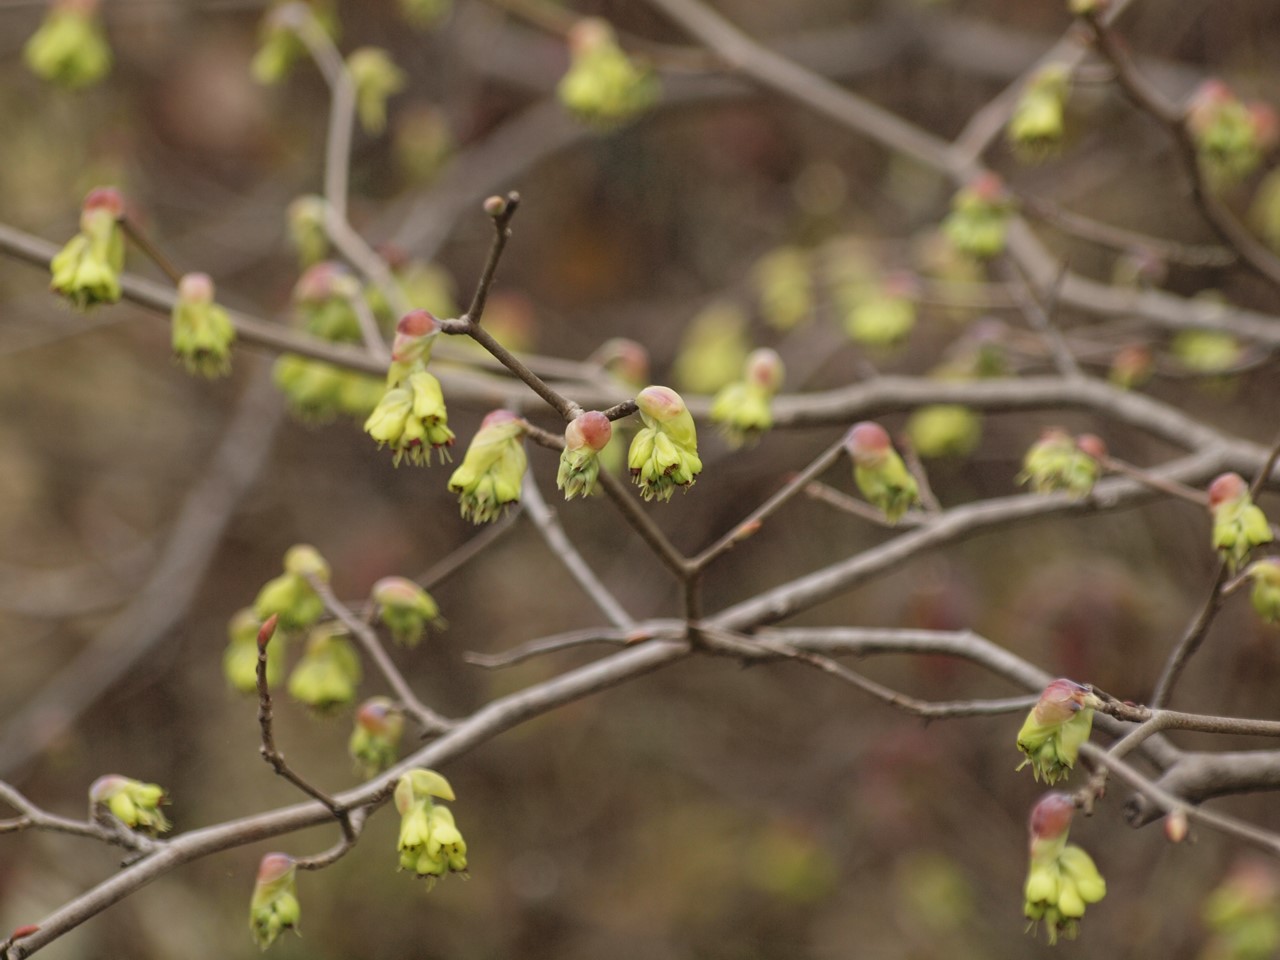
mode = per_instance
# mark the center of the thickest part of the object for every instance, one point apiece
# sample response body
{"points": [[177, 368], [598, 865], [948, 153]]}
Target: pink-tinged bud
{"points": [[1225, 489], [417, 323], [320, 282], [1092, 445], [901, 283], [377, 715], [591, 429], [661, 403], [267, 630], [625, 359], [195, 288], [988, 187], [588, 34], [1060, 701], [26, 930], [495, 206], [868, 443], [495, 417], [104, 198], [1175, 826], [764, 369], [274, 866], [1051, 816]]}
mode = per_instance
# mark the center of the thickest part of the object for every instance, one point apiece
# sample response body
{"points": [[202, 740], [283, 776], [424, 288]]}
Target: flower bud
{"points": [[1230, 137], [584, 438], [202, 332], [422, 143], [603, 86], [326, 676], [944, 430], [133, 803], [87, 270], [405, 608], [1207, 351], [979, 218], [289, 596], [240, 660], [1055, 728], [375, 77], [1056, 462], [274, 907], [664, 452], [1036, 126], [879, 472], [1238, 524], [626, 360], [1062, 878], [1265, 595], [279, 47], [70, 47], [322, 302], [416, 333], [743, 409], [375, 740], [713, 349], [1132, 366], [491, 473], [1176, 826], [307, 232]]}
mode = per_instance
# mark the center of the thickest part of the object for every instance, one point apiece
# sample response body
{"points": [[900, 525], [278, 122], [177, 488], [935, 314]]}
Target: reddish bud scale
{"points": [[591, 429], [267, 630], [274, 866], [25, 930], [317, 283], [417, 323], [661, 403], [1092, 445], [987, 186], [373, 715], [867, 442], [1227, 487], [195, 288], [1175, 826], [104, 198], [495, 206], [1051, 816], [1059, 701], [495, 417]]}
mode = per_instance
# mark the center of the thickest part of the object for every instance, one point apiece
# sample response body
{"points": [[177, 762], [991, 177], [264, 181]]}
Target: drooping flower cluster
{"points": [[70, 48], [202, 332], [743, 409], [290, 596], [1061, 462], [274, 906], [1231, 137], [1062, 879], [492, 472], [979, 218], [1239, 524], [604, 87], [879, 472], [87, 270], [405, 608], [132, 802], [584, 438], [375, 739], [430, 843], [1265, 595], [411, 417], [1036, 126], [664, 453], [328, 673], [1055, 728]]}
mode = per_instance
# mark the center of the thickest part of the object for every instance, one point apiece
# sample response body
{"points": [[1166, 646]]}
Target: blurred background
{"points": [[706, 811]]}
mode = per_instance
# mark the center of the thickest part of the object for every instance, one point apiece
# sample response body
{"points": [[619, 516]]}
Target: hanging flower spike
{"points": [[430, 843], [327, 675], [87, 270], [375, 77], [1062, 879], [1055, 728], [375, 741], [604, 87], [979, 218], [1238, 524], [70, 48], [202, 332], [584, 438], [405, 608], [322, 302], [879, 472], [489, 479], [1265, 595], [664, 453], [307, 233], [1035, 129], [1060, 462], [132, 802], [411, 417], [240, 660], [289, 596], [743, 409], [274, 907], [1231, 138]]}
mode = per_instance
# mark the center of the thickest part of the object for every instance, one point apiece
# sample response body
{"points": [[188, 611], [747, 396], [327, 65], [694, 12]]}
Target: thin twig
{"points": [[1039, 317], [34, 818], [138, 237], [446, 566], [342, 108], [372, 336], [1156, 482], [859, 508], [1264, 475], [1191, 641], [548, 524], [268, 749]]}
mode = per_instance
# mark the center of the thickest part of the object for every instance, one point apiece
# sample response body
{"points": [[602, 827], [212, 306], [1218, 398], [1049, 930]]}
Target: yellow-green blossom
{"points": [[70, 47], [584, 438], [743, 409], [1036, 126], [133, 803], [1265, 595], [375, 77], [1239, 524], [1054, 730], [491, 473], [307, 232], [87, 270], [879, 472], [405, 608], [274, 907], [664, 452], [240, 659], [375, 739], [604, 87], [202, 332], [979, 218], [1058, 461], [1062, 879], [430, 843], [784, 282], [327, 675]]}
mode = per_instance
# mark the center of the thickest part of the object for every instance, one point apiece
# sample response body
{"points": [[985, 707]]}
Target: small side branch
{"points": [[1191, 640]]}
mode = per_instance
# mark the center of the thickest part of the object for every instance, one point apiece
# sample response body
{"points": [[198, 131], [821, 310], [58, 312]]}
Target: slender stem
{"points": [[373, 340], [643, 524], [445, 567], [342, 109], [144, 243], [842, 501], [1040, 318], [1264, 475], [1163, 484], [1191, 640]]}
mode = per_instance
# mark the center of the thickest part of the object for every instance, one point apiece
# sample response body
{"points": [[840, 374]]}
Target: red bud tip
{"points": [[1175, 826], [901, 283], [495, 417], [196, 288], [591, 429], [867, 442], [661, 403], [267, 630], [25, 930], [1229, 486], [1263, 119], [747, 530], [105, 198], [1051, 816], [988, 186], [1059, 700], [317, 283], [274, 866], [495, 206], [588, 33], [1092, 445], [417, 323], [393, 255]]}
